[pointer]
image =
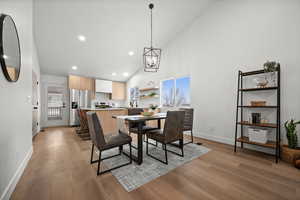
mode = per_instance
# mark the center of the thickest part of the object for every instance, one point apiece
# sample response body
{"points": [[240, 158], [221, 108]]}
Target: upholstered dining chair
{"points": [[188, 122], [103, 143], [133, 127], [83, 131], [172, 132]]}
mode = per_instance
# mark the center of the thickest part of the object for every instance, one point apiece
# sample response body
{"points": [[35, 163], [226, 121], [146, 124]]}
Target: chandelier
{"points": [[151, 56]]}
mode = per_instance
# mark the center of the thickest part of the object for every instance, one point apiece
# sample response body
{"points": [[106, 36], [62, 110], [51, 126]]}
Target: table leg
{"points": [[140, 144], [159, 123]]}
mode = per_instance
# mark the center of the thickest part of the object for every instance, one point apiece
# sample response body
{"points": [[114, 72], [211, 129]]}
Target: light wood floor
{"points": [[60, 169]]}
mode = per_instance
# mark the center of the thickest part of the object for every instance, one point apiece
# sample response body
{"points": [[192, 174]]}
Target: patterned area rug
{"points": [[133, 176]]}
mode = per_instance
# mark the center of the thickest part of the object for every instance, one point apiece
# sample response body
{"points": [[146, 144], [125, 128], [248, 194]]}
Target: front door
{"points": [[57, 112]]}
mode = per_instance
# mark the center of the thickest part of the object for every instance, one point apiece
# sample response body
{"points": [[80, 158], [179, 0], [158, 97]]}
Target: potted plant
{"points": [[290, 151], [153, 107], [291, 133], [272, 66], [152, 94]]}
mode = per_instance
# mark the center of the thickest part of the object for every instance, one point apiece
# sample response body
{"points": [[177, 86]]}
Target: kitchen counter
{"points": [[105, 116], [104, 109]]}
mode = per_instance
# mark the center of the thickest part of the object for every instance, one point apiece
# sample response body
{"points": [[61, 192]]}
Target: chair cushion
{"points": [[157, 135], [115, 140], [144, 129]]}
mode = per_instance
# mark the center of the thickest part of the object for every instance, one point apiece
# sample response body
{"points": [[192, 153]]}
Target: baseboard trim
{"points": [[219, 139], [16, 177], [231, 142]]}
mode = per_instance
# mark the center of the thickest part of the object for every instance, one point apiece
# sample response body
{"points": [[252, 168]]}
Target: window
{"points": [[175, 92]]}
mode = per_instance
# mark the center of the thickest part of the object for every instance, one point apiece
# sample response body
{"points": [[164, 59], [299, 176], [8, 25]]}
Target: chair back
{"points": [[83, 119], [173, 129], [134, 111], [96, 130], [188, 118]]}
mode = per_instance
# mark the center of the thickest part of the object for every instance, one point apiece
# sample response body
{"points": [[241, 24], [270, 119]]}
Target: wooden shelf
{"points": [[149, 97], [269, 144], [255, 72], [258, 89], [257, 106], [148, 89], [267, 125]]}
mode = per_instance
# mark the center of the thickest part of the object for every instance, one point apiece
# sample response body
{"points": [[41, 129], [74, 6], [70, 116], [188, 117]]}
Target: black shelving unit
{"points": [[240, 110]]}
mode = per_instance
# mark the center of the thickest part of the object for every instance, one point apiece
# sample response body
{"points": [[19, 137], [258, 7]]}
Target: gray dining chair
{"points": [[188, 122], [172, 132], [133, 127], [103, 143]]}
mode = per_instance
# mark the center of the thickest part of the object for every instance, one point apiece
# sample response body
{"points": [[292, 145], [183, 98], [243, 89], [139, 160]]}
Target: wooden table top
{"points": [[141, 118]]}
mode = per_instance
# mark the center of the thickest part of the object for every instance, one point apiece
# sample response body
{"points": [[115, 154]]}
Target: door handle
{"points": [[35, 107]]}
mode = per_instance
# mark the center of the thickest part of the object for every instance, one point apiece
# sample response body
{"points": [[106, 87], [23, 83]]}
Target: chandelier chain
{"points": [[151, 28]]}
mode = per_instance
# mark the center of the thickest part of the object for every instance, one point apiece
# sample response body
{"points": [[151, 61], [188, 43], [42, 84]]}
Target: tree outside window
{"points": [[175, 92]]}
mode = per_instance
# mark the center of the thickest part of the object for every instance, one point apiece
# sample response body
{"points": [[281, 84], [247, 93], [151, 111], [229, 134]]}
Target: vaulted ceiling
{"points": [[112, 28]]}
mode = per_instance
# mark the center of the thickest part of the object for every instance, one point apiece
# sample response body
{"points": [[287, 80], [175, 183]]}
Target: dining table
{"points": [[140, 120]]}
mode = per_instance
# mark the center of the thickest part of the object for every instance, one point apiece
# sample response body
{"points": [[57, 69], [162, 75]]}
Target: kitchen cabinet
{"points": [[103, 86], [118, 91], [81, 83], [74, 82]]}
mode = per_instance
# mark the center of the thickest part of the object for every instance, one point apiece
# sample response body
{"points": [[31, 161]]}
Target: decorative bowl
{"points": [[261, 82], [147, 114]]}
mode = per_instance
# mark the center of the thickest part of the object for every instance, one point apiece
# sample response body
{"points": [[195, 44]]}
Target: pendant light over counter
{"points": [[151, 55]]}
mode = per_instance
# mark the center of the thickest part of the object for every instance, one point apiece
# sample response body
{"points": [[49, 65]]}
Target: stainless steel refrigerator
{"points": [[78, 99]]}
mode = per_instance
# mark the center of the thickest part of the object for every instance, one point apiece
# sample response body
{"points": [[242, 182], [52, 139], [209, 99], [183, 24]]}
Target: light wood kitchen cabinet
{"points": [[74, 82], [118, 91], [81, 83]]}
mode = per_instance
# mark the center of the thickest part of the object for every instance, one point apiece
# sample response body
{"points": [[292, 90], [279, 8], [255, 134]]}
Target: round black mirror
{"points": [[10, 55]]}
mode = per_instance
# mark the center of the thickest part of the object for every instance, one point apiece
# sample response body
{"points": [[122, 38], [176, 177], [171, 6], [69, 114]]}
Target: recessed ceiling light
{"points": [[114, 74], [125, 74], [74, 67], [131, 53], [81, 38]]}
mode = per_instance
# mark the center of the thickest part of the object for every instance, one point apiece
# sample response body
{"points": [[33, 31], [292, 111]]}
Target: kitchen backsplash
{"points": [[105, 97]]}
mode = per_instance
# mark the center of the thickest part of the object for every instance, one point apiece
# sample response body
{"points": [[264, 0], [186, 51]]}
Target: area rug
{"points": [[133, 176]]}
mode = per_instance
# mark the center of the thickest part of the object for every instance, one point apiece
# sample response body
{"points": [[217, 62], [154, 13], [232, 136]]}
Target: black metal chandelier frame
{"points": [[151, 55]]}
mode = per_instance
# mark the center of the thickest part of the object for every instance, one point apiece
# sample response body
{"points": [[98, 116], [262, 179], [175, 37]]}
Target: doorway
{"points": [[35, 104], [56, 109]]}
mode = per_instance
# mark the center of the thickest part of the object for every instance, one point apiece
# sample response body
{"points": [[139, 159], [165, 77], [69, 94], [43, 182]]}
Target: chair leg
{"points": [[166, 153], [99, 161], [130, 152], [99, 172], [192, 139], [120, 150], [147, 152], [181, 144], [147, 141], [92, 154]]}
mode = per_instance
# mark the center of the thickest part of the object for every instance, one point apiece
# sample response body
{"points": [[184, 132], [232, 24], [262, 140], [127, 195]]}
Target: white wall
{"points": [[15, 102], [233, 35]]}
